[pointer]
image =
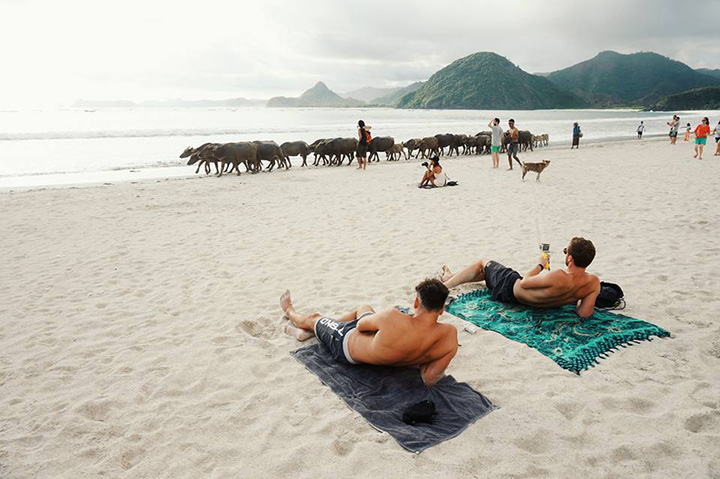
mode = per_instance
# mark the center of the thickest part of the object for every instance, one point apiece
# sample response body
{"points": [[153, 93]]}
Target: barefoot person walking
{"points": [[388, 338], [496, 142], [702, 131], [547, 290], [513, 144], [717, 139], [364, 139]]}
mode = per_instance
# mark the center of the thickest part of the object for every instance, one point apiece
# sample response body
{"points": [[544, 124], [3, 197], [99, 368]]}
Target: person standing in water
{"points": [[577, 134], [701, 133], [640, 130], [496, 141], [364, 140]]}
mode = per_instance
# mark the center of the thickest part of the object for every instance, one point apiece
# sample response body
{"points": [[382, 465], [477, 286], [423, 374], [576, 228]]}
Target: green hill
{"points": [[318, 96], [394, 97], [485, 80], [707, 98], [614, 79], [706, 71]]}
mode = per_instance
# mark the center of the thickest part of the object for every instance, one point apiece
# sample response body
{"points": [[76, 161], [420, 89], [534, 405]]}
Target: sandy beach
{"points": [[141, 337]]}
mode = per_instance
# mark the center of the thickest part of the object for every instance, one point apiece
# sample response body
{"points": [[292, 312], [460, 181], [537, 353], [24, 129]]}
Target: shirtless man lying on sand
{"points": [[388, 338], [549, 290]]}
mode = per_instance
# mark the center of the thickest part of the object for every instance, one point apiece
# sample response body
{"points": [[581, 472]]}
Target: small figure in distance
{"points": [[577, 134], [702, 131]]}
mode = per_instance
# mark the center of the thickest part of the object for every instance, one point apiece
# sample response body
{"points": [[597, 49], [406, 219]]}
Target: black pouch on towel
{"points": [[424, 411]]}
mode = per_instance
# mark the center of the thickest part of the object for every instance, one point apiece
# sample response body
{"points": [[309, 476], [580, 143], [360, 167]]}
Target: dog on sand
{"points": [[536, 167]]}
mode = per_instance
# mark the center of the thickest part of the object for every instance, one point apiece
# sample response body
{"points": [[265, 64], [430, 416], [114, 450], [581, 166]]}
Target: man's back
{"points": [[562, 288], [401, 340]]}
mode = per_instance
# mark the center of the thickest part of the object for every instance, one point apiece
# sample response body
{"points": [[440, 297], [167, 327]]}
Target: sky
{"points": [[55, 52]]}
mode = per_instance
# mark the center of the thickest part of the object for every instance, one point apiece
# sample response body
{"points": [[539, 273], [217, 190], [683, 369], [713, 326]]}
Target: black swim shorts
{"points": [[334, 335], [500, 281], [361, 151], [512, 149]]}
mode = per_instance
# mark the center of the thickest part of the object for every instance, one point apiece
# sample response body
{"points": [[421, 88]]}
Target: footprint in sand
{"points": [[702, 422]]}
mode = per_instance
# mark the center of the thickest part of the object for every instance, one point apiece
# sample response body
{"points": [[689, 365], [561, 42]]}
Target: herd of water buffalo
{"points": [[227, 157]]}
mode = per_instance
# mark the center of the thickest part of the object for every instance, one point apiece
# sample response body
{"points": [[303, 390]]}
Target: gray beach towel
{"points": [[381, 394]]}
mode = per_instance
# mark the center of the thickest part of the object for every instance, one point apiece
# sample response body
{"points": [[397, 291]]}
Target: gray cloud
{"points": [[260, 49]]}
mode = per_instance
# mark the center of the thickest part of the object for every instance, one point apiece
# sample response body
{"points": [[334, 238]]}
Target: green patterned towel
{"points": [[560, 334]]}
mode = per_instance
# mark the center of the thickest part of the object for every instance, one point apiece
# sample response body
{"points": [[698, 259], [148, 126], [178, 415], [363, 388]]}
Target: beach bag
{"points": [[424, 411], [611, 297]]}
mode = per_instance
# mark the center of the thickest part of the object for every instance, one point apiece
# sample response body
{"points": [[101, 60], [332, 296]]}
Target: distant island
{"points": [[318, 96]]}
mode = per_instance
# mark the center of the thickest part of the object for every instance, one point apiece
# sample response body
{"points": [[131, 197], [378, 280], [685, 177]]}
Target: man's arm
{"points": [[433, 371], [586, 306], [371, 323]]}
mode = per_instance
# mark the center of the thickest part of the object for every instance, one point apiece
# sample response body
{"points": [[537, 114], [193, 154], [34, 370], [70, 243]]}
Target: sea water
{"points": [[109, 143]]}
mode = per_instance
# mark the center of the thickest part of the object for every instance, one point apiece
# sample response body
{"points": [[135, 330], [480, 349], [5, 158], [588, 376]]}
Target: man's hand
{"points": [[544, 259]]}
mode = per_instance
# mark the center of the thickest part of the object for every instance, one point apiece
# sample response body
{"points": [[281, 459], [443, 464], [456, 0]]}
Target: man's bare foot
{"points": [[297, 333], [446, 274], [695, 155], [285, 302]]}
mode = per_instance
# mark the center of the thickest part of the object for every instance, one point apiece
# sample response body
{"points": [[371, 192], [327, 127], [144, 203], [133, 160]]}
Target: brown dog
{"points": [[536, 167]]}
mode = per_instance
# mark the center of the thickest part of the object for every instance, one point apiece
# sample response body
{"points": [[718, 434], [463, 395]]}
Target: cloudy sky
{"points": [[57, 51]]}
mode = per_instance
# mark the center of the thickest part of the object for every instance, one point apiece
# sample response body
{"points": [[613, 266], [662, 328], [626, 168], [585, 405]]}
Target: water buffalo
{"points": [[525, 140], [339, 148], [295, 148], [380, 143], [233, 154], [396, 152], [270, 152], [194, 154], [428, 146], [447, 140], [412, 145]]}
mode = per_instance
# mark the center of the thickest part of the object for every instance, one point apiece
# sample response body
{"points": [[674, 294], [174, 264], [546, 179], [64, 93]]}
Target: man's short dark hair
{"points": [[497, 120], [582, 251], [432, 294], [511, 120]]}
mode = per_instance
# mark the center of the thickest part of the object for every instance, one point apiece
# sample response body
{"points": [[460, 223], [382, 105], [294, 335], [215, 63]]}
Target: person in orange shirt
{"points": [[701, 133]]}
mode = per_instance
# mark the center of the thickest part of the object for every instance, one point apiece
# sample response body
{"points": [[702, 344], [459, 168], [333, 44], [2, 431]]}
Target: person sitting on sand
{"points": [[388, 338], [434, 174], [548, 290]]}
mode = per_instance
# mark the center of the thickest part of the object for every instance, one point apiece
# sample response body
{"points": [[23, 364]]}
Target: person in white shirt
{"points": [[640, 130], [496, 141]]}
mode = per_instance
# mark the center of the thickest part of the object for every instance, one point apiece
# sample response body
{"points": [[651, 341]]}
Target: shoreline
{"points": [[167, 172]]}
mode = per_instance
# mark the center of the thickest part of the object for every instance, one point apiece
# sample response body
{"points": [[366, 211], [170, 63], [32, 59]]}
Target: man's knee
{"points": [[481, 264]]}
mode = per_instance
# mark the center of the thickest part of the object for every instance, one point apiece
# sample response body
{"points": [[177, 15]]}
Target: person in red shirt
{"points": [[701, 133]]}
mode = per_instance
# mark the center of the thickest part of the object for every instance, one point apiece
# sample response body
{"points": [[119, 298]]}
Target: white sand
{"points": [[140, 333]]}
